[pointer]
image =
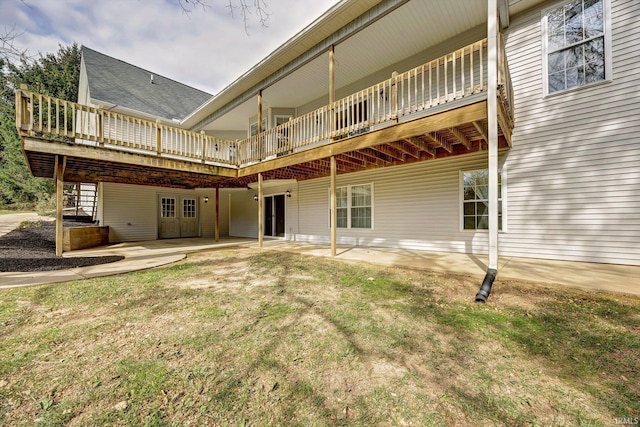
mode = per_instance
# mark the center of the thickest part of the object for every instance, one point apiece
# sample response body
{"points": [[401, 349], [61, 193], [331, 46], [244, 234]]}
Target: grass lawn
{"points": [[243, 337]]}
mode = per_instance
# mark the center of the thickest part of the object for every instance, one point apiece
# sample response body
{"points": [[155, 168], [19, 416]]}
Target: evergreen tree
{"points": [[52, 74]]}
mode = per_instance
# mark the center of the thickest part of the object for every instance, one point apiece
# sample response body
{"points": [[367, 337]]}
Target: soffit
{"points": [[412, 28], [403, 33]]}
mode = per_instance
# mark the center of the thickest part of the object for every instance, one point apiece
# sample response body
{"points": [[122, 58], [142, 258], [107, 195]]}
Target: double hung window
{"points": [[354, 206], [576, 43]]}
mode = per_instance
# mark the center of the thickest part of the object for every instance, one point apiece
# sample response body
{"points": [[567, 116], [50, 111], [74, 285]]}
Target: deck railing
{"points": [[55, 119], [443, 80]]}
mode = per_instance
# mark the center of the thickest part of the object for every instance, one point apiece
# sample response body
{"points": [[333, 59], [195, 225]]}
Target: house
{"points": [[506, 127]]}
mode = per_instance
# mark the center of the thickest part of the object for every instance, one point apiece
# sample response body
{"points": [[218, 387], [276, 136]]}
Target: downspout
{"points": [[492, 119]]}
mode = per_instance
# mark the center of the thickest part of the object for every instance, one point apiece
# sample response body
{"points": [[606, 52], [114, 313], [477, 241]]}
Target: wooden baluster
{"points": [[446, 78], [48, 114], [100, 126], [422, 90], [39, 113], [438, 81], [453, 65], [57, 125], [203, 138]]}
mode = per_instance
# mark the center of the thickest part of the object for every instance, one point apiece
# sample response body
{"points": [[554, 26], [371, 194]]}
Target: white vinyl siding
{"points": [[415, 206], [574, 169], [131, 211]]}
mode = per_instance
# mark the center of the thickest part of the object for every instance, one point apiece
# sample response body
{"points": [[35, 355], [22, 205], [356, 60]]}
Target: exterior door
{"points": [[189, 217], [178, 217], [274, 216], [168, 224]]}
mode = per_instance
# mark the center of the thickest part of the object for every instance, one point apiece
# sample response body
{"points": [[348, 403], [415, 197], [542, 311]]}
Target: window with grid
{"points": [[168, 207], [576, 40], [361, 206], [475, 200], [189, 208], [353, 206]]}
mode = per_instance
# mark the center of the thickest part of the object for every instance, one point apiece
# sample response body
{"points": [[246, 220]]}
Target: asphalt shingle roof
{"points": [[116, 82]]}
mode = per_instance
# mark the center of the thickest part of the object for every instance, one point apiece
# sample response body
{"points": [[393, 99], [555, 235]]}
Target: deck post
{"points": [[260, 130], [394, 95], [334, 210], [260, 210], [60, 163], [217, 223], [332, 87], [492, 118]]}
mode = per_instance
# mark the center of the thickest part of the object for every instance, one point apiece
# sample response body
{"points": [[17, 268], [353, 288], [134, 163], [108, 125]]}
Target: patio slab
{"points": [[143, 255]]}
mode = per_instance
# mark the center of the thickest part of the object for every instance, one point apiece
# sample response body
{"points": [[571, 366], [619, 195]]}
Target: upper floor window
{"points": [[576, 44]]}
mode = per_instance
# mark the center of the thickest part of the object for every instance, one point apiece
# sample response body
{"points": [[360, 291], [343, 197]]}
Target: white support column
{"points": [[334, 209], [492, 118], [260, 211]]}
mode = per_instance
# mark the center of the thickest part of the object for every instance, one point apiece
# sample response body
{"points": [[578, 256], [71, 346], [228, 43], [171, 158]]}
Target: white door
{"points": [[189, 217], [168, 224]]}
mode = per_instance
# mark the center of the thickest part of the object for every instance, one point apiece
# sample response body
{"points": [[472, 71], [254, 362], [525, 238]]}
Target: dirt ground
{"points": [[33, 248]]}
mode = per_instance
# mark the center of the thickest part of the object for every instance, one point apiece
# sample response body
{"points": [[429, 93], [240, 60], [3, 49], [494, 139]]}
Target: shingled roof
{"points": [[116, 82]]}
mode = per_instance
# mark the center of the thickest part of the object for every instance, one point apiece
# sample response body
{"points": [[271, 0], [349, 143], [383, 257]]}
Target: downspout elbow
{"points": [[485, 289]]}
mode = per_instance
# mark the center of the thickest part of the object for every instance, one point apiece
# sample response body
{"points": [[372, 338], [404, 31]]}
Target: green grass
{"points": [[249, 337]]}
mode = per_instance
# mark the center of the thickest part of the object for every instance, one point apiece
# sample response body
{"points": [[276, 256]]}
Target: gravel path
{"points": [[33, 248]]}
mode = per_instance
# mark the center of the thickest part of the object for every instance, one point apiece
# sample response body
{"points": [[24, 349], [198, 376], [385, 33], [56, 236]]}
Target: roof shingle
{"points": [[116, 82]]}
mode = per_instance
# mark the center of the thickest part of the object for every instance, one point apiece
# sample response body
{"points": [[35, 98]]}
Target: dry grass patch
{"points": [[249, 337]]}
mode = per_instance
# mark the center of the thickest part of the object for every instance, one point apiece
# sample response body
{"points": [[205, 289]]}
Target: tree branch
{"points": [[8, 49]]}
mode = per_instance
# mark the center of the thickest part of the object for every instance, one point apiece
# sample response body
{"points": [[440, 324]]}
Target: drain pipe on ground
{"points": [[485, 289]]}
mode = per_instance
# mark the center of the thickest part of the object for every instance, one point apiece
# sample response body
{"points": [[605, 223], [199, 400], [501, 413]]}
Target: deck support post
{"points": [[492, 118], [260, 130], [260, 210], [332, 86], [60, 163], [217, 222], [332, 74], [334, 210]]}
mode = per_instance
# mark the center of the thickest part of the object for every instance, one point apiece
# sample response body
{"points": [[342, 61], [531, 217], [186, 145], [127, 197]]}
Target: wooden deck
{"points": [[435, 110]]}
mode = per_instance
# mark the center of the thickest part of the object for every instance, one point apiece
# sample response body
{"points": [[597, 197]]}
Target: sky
{"points": [[207, 49]]}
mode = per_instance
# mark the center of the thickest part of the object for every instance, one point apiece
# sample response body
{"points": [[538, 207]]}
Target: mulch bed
{"points": [[33, 248]]}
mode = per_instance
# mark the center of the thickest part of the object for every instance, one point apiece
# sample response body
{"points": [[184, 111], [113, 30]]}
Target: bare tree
{"points": [[246, 8], [8, 50]]}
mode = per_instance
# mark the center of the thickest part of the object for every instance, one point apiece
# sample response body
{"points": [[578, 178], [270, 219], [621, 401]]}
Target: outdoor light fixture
{"points": [[255, 197], [206, 199], [288, 193]]}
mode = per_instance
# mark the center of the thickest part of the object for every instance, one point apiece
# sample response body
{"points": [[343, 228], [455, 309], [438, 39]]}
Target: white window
{"points": [[354, 206], [475, 200], [576, 45], [253, 128]]}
